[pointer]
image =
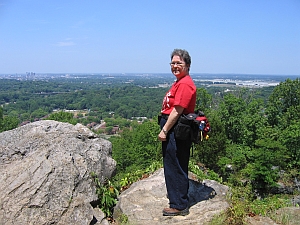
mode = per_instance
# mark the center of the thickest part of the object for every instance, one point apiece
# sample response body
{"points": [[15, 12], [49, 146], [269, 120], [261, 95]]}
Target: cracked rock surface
{"points": [[144, 201], [45, 171]]}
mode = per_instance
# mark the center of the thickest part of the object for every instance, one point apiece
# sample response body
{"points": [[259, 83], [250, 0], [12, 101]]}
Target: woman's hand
{"points": [[172, 119], [162, 136]]}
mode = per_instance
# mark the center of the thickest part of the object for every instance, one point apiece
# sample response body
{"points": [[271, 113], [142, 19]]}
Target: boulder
{"points": [[45, 170], [142, 203]]}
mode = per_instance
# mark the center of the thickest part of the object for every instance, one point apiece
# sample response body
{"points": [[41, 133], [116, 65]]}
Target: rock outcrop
{"points": [[45, 176], [142, 204], [144, 201]]}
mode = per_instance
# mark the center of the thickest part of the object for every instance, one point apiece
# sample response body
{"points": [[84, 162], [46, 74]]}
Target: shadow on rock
{"points": [[199, 192]]}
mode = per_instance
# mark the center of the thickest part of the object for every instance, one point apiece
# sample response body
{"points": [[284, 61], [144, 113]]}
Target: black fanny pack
{"points": [[184, 127]]}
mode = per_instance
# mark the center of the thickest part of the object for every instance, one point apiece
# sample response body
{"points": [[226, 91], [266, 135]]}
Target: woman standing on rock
{"points": [[180, 99]]}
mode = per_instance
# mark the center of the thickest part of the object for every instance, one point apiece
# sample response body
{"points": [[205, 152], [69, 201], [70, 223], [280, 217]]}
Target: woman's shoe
{"points": [[175, 212]]}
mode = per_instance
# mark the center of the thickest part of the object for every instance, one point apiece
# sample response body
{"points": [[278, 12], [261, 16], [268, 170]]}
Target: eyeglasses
{"points": [[176, 63]]}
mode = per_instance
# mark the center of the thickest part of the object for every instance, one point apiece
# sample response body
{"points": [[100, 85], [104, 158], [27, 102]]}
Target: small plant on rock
{"points": [[107, 195]]}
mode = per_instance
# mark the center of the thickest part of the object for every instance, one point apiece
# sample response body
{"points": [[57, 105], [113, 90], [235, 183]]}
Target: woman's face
{"points": [[178, 67]]}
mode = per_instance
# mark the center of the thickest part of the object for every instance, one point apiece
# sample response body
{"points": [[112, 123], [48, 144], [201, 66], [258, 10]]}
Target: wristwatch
{"points": [[165, 132]]}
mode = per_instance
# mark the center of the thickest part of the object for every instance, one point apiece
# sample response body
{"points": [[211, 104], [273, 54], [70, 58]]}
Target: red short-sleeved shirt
{"points": [[182, 93]]}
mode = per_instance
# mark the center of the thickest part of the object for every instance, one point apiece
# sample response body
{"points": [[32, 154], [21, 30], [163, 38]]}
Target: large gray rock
{"points": [[144, 201], [45, 171]]}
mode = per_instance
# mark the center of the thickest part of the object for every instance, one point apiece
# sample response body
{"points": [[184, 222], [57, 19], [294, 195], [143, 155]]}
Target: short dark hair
{"points": [[182, 54]]}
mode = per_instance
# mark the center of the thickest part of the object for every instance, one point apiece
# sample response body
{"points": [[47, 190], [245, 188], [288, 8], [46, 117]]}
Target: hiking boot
{"points": [[175, 212]]}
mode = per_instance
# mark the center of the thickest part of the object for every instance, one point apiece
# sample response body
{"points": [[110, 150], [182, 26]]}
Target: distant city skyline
{"points": [[222, 37], [202, 79]]}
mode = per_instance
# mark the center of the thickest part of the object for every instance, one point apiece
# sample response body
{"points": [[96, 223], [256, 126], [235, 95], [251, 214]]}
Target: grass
{"points": [[243, 205]]}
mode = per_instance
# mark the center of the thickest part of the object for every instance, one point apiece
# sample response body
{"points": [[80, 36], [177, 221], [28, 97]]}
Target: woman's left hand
{"points": [[162, 136]]}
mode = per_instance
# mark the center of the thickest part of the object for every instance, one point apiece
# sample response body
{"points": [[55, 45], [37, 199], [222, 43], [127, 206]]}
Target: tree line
{"points": [[31, 100]]}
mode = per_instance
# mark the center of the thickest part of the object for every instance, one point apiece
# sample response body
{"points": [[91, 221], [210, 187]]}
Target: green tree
{"points": [[109, 129], [232, 111], [137, 148], [9, 123], [204, 100], [39, 113], [209, 151], [63, 117], [285, 98], [234, 161], [268, 155], [253, 120], [24, 116], [1, 119], [290, 137]]}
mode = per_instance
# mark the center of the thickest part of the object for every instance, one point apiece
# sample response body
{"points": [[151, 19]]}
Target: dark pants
{"points": [[176, 154]]}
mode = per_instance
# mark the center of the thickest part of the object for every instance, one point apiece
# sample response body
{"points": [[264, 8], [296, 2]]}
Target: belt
{"points": [[165, 116]]}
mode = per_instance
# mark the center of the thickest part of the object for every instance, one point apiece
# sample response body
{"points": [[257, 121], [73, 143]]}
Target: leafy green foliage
{"points": [[268, 154], [137, 148], [243, 203], [125, 180], [269, 204], [259, 146], [203, 173], [109, 191], [203, 100], [235, 160], [63, 117], [231, 112], [209, 151], [39, 98], [119, 121], [107, 195], [239, 200], [254, 149], [1, 119], [284, 103], [10, 122], [7, 122], [290, 137]]}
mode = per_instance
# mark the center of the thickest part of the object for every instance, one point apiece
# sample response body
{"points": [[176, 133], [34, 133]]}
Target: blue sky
{"points": [[137, 36]]}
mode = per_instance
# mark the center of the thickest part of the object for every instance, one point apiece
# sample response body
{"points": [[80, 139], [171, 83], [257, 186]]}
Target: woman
{"points": [[180, 99]]}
